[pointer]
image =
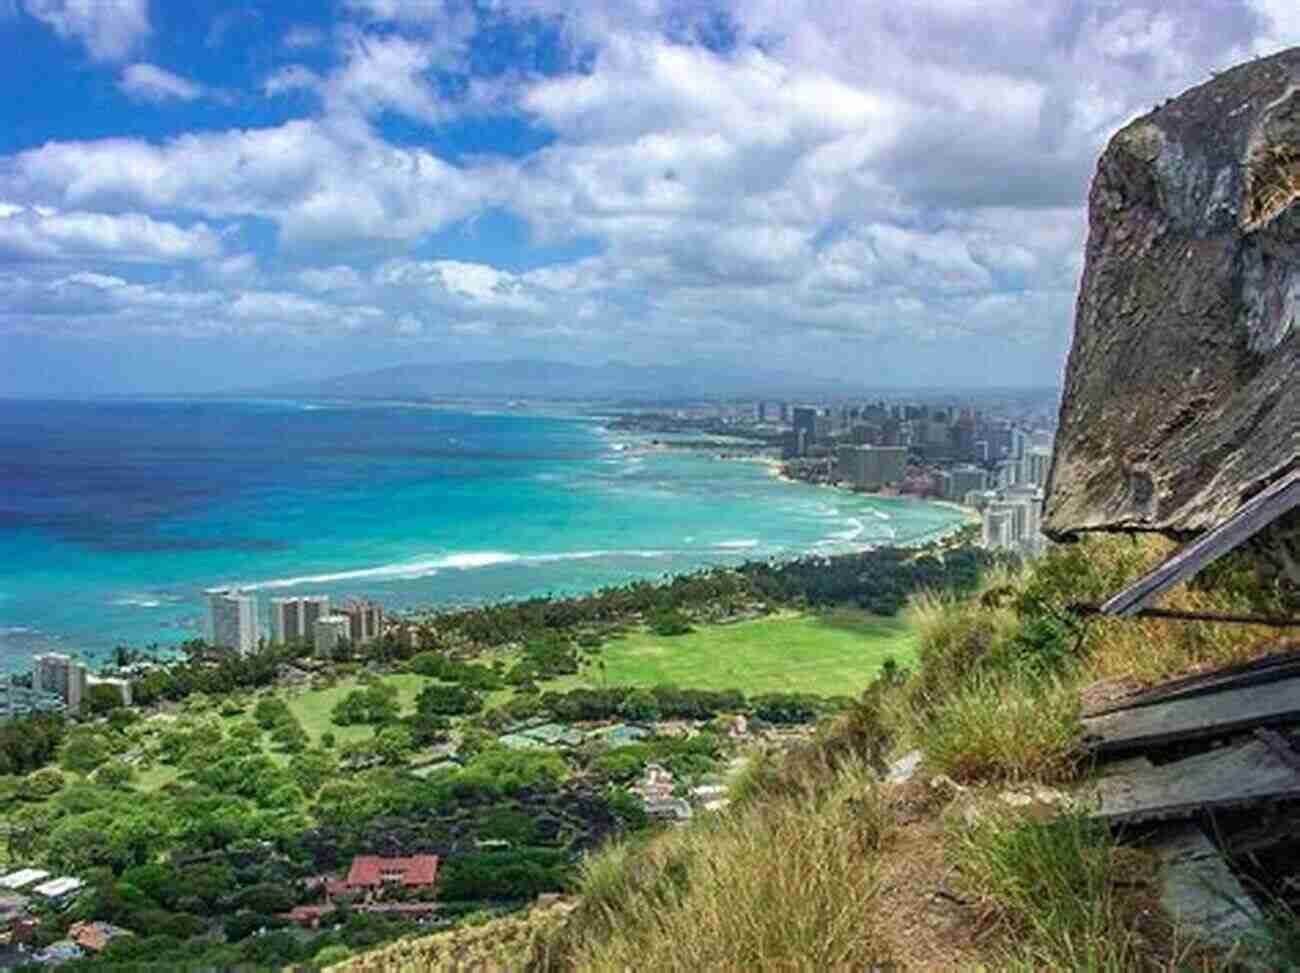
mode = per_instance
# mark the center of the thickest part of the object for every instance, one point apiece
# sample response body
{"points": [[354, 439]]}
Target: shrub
{"points": [[669, 622], [40, 784]]}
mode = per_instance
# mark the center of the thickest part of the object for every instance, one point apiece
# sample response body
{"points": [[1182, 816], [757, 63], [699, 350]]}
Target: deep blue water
{"points": [[114, 516]]}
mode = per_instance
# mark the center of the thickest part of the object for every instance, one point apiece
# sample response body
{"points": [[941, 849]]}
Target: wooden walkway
{"points": [[1195, 716]]}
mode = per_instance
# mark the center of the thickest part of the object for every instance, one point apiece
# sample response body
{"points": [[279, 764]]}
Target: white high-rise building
{"points": [[232, 620], [53, 672], [295, 618], [365, 621], [1035, 465]]}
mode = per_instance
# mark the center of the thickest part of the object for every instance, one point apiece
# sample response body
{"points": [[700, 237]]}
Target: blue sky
{"points": [[205, 196]]}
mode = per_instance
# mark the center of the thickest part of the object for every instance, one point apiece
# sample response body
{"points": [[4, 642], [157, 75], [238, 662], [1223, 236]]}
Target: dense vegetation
{"points": [[244, 802], [818, 865]]}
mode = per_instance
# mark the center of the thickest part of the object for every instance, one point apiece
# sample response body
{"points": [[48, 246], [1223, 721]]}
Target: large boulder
{"points": [[1181, 393]]}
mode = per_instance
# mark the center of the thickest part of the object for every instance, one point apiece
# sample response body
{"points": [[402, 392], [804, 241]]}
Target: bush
{"points": [[40, 784], [115, 774], [669, 622]]}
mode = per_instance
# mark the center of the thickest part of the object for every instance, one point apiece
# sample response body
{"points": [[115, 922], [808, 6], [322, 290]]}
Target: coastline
{"points": [[433, 518]]}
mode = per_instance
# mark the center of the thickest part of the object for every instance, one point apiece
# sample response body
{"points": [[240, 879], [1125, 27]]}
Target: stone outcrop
{"points": [[1182, 392]]}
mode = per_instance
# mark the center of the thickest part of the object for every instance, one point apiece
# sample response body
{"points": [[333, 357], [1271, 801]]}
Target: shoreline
{"points": [[167, 622]]}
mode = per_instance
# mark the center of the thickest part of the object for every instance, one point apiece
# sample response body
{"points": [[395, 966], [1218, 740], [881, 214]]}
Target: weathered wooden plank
{"points": [[1253, 516], [1198, 889], [1219, 779], [1271, 668], [1194, 718]]}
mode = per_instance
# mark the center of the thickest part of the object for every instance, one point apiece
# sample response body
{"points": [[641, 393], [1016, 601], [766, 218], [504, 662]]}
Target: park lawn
{"points": [[832, 654], [314, 706]]}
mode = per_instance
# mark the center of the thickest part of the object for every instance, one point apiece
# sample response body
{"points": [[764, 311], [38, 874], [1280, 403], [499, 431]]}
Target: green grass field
{"points": [[313, 708], [835, 653]]}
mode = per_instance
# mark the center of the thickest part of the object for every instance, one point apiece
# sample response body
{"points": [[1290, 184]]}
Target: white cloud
{"points": [[109, 29], [476, 285], [294, 77], [826, 171], [320, 183], [385, 74], [44, 233], [148, 82], [324, 280]]}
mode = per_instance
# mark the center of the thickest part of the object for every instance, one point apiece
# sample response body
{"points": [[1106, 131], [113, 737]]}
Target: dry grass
{"points": [[510, 943], [1151, 650], [1005, 729], [1273, 182], [786, 884]]}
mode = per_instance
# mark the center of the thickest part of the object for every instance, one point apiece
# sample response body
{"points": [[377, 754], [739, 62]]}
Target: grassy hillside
{"points": [[818, 865], [832, 654]]}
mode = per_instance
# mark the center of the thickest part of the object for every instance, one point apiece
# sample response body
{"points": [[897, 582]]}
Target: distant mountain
{"points": [[560, 380]]}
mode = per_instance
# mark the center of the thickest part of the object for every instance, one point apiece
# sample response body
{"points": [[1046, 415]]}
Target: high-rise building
{"points": [[293, 619], [805, 428], [329, 633], [963, 480], [1019, 439], [120, 686], [1035, 466], [871, 467], [232, 620], [53, 672], [365, 621]]}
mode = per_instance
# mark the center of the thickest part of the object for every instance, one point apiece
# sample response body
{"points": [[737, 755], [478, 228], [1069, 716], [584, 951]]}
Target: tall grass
{"points": [[995, 696], [1067, 896], [1005, 729], [785, 884]]}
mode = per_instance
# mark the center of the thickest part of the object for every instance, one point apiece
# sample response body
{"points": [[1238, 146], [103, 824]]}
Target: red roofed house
{"points": [[372, 873], [368, 879]]}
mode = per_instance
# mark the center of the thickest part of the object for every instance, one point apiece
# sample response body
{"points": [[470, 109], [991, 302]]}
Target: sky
{"points": [[201, 196]]}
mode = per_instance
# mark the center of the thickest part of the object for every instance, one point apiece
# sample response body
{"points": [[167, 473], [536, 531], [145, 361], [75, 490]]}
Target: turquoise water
{"points": [[115, 516]]}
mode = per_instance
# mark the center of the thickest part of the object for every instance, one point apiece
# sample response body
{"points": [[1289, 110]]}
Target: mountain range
{"points": [[529, 378]]}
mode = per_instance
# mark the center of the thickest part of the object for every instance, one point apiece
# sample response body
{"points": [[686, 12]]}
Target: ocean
{"points": [[114, 516]]}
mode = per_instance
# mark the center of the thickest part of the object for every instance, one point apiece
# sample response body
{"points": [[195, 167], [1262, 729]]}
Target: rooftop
{"points": [[371, 870], [57, 887], [24, 876]]}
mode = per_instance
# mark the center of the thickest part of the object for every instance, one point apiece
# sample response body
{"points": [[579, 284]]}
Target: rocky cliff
{"points": [[1181, 394]]}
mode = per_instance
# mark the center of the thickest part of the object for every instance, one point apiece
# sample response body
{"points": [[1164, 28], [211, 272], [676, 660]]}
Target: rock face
{"points": [[1182, 392]]}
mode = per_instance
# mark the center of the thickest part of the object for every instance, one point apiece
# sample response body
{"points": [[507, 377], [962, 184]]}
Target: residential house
{"points": [[371, 874], [94, 936], [23, 877], [58, 890]]}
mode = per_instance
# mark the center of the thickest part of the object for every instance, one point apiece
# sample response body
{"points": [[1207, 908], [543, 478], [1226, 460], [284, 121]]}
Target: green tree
{"points": [[83, 750], [101, 699], [40, 784], [311, 768], [447, 700], [393, 744], [116, 774]]}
